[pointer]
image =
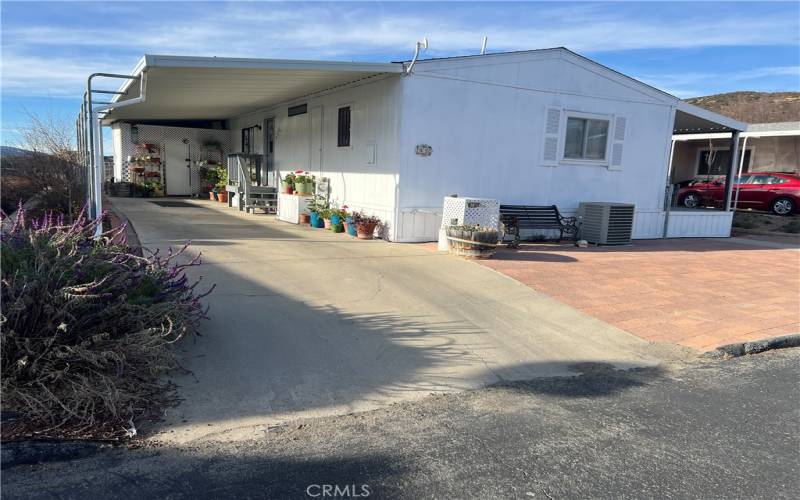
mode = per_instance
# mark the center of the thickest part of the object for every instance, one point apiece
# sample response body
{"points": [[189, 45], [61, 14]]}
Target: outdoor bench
{"points": [[516, 217]]}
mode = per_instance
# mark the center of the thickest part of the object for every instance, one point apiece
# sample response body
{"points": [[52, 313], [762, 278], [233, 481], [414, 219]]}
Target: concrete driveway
{"points": [[307, 323]]}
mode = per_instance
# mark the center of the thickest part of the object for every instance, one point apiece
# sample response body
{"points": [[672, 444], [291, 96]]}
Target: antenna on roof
{"points": [[421, 45], [483, 45]]}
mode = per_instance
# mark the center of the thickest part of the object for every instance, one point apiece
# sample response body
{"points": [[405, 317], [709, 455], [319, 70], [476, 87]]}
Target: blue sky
{"points": [[685, 48]]}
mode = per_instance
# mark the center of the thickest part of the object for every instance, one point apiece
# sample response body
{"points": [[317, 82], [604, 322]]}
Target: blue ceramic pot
{"points": [[315, 219], [351, 228], [335, 220]]}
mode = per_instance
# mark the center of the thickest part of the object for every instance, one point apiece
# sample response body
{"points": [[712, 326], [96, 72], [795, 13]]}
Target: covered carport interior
{"points": [[693, 121]]}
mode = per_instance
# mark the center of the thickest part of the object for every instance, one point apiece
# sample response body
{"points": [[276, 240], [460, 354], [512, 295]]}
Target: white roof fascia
{"points": [[705, 114], [727, 135], [154, 61]]}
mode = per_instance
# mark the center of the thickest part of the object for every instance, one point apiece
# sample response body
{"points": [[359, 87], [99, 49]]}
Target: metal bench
{"points": [[516, 217]]}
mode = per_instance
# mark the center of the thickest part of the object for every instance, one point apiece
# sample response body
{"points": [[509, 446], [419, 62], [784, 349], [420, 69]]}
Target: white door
{"points": [[177, 169], [316, 141]]}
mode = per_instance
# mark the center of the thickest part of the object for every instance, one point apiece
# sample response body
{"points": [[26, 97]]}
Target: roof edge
{"points": [[710, 116]]}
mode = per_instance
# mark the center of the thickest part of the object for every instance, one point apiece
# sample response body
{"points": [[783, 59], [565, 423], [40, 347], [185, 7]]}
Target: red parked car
{"points": [[778, 192]]}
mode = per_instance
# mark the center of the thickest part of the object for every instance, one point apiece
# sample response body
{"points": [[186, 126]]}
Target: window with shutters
{"points": [[343, 136], [585, 139]]}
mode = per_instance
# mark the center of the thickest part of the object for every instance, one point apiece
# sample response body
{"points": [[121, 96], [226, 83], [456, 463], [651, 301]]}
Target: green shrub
{"points": [[87, 327]]}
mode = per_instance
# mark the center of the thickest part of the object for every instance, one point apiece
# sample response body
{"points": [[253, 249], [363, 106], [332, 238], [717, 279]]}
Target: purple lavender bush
{"points": [[87, 327]]}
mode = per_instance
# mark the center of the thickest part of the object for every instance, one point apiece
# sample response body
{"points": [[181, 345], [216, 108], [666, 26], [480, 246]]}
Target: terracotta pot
{"points": [[365, 230], [327, 223], [305, 218], [346, 227], [222, 196]]}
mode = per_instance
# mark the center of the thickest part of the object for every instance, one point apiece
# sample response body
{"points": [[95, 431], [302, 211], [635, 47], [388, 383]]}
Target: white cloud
{"points": [[688, 84], [346, 31]]}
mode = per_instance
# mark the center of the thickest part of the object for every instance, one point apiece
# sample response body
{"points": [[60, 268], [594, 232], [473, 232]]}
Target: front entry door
{"points": [[177, 169], [316, 141]]}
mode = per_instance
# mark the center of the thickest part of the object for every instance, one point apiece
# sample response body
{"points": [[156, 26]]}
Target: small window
{"points": [[343, 139], [300, 109], [744, 179], [586, 139]]}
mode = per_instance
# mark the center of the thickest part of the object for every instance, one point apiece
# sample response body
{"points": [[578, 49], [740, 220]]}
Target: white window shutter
{"points": [[552, 133], [620, 123]]}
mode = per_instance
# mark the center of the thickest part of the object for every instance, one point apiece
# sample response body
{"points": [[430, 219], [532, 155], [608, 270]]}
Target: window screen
{"points": [[586, 139], [343, 139]]}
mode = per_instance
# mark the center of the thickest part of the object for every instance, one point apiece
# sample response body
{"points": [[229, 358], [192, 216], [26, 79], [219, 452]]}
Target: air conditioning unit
{"points": [[606, 223]]}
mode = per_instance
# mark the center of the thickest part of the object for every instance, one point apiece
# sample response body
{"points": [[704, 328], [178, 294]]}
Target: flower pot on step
{"points": [[365, 230]]}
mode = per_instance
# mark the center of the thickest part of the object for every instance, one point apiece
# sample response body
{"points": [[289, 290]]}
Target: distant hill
{"points": [[6, 151], [753, 107]]}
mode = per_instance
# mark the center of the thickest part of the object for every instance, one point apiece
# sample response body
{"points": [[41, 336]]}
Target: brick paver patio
{"points": [[697, 293]]}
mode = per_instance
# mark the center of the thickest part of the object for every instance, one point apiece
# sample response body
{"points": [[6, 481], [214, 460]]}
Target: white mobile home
{"points": [[537, 127]]}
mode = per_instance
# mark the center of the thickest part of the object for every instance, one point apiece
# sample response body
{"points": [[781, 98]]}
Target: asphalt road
{"points": [[712, 429]]}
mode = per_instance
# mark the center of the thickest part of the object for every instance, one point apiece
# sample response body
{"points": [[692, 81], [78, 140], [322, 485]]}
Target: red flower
{"points": [[298, 171]]}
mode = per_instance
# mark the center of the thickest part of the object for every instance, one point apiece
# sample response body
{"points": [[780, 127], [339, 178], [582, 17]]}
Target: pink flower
{"points": [[345, 207], [298, 171]]}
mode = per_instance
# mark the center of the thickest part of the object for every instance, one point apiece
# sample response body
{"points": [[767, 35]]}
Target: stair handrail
{"points": [[244, 181]]}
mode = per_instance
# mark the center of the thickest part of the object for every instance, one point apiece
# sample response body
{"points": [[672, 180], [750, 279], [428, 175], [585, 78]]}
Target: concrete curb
{"points": [[754, 347]]}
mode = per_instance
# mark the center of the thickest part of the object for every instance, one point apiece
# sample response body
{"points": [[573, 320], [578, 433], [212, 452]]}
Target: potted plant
{"points": [[303, 183], [315, 206], [338, 215], [287, 184], [158, 189], [365, 226], [210, 177], [222, 184], [473, 241], [325, 215], [350, 225]]}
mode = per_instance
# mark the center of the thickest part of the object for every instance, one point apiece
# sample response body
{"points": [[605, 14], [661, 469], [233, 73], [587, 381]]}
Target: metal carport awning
{"points": [[182, 88], [212, 88]]}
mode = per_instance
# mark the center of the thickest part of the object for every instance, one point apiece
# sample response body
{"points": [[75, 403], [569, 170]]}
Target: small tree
{"points": [[51, 172]]}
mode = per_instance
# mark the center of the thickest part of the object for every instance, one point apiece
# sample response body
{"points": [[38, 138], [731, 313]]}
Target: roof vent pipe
{"points": [[483, 45], [423, 45]]}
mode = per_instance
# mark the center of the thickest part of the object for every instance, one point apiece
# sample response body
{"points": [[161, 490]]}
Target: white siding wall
{"points": [[699, 224], [485, 121], [354, 181]]}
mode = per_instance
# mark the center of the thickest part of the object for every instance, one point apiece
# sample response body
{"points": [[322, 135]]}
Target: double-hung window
{"points": [[586, 139]]}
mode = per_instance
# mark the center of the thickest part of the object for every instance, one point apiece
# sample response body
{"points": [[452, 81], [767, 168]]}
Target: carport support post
{"points": [[729, 176]]}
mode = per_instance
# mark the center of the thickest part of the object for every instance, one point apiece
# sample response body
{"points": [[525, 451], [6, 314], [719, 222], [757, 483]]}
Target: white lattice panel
{"points": [[164, 136], [468, 211]]}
